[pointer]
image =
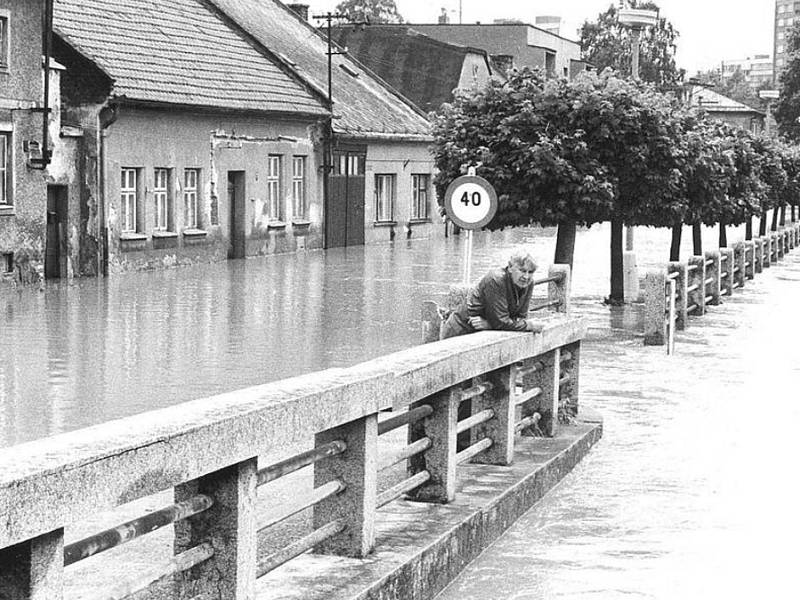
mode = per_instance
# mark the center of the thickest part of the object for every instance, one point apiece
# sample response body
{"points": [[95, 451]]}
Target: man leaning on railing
{"points": [[500, 300]]}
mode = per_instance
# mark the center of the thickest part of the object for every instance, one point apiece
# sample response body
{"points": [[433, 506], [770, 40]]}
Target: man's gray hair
{"points": [[521, 258]]}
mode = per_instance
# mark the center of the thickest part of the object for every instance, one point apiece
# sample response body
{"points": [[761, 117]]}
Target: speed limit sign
{"points": [[470, 202]]}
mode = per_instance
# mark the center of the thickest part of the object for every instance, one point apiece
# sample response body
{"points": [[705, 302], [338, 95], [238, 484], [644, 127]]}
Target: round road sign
{"points": [[470, 202]]}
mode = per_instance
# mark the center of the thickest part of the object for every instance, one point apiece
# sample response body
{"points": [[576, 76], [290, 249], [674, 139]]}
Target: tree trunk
{"points": [[774, 219], [697, 239], [748, 229], [783, 215], [675, 245], [723, 236], [565, 243], [762, 225], [617, 295]]}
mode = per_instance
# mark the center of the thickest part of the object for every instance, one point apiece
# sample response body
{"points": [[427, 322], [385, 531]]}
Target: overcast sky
{"points": [[710, 30]]}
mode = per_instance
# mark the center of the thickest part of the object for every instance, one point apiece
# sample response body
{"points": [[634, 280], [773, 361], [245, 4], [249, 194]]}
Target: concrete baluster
{"points": [[773, 245], [758, 265], [749, 259], [356, 468], [726, 271], [695, 291], [501, 428], [790, 238], [431, 322], [229, 526], [779, 248], [33, 569], [655, 306], [766, 255], [739, 270], [570, 390], [681, 297], [785, 236], [559, 290], [713, 284], [440, 459], [546, 378]]}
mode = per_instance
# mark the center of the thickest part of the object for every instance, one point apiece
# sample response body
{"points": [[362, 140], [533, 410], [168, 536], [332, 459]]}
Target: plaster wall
{"points": [[474, 73]]}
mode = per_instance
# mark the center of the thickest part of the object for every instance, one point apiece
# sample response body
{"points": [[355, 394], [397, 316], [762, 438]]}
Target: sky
{"points": [[711, 31]]}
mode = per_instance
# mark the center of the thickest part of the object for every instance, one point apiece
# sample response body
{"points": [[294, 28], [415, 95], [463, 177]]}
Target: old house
{"points": [[197, 143], [424, 69], [381, 177], [35, 218], [721, 107]]}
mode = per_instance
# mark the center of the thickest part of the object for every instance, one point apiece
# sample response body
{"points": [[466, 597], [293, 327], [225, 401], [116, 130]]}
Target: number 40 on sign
{"points": [[470, 202]]}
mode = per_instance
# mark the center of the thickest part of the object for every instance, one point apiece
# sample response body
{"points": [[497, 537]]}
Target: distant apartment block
{"points": [[787, 14], [757, 70]]}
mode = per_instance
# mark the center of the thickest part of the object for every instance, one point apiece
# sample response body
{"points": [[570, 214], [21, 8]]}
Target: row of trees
{"points": [[601, 148]]}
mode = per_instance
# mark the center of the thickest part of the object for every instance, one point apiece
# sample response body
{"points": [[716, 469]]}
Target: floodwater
{"points": [[690, 494]]}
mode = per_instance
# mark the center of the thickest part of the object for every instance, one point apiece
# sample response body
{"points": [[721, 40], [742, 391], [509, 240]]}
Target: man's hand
{"points": [[479, 323]]}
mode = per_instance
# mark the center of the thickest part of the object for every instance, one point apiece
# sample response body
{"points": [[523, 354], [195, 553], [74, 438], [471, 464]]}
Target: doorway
{"points": [[345, 215], [55, 256], [238, 214]]}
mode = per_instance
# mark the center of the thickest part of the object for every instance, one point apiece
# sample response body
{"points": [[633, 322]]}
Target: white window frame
{"points": [[191, 187], [299, 187], [385, 197], [6, 168], [5, 36], [161, 199], [129, 199], [420, 196], [274, 166]]}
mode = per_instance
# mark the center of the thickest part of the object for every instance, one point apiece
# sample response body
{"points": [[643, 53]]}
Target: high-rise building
{"points": [[757, 70], [787, 13]]}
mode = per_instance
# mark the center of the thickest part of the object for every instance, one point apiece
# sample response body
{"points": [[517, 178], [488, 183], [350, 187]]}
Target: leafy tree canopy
{"points": [[607, 44], [372, 11], [787, 108]]}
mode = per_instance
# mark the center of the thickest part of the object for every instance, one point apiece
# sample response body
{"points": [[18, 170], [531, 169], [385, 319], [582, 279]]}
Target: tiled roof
{"points": [[714, 102], [362, 105], [422, 68], [179, 52]]}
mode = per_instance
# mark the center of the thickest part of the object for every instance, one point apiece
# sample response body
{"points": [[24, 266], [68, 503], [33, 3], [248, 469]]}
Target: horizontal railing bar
{"points": [[551, 279], [476, 448], [709, 298], [527, 395], [709, 262], [287, 553], [673, 275], [723, 258], [564, 379], [404, 418], [566, 355], [723, 274], [692, 288], [736, 269], [692, 308], [475, 391], [177, 564], [524, 370], [709, 280], [747, 263], [406, 452], [544, 305], [394, 492], [691, 268], [476, 419], [527, 422], [121, 534], [297, 462], [737, 284], [316, 496]]}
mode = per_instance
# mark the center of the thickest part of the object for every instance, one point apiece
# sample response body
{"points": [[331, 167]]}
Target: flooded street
{"points": [[690, 494]]}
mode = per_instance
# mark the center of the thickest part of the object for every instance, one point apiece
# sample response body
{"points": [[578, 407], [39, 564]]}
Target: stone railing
{"points": [[690, 287], [207, 453]]}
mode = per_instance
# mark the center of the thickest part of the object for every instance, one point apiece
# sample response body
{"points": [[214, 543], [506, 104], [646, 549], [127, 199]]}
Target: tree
{"points": [[372, 11], [607, 44], [787, 107]]}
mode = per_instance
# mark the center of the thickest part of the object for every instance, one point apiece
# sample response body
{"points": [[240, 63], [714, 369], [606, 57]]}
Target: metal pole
{"points": [[468, 257], [635, 75]]}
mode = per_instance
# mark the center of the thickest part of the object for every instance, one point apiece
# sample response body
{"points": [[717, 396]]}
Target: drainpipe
{"points": [[106, 117], [47, 49]]}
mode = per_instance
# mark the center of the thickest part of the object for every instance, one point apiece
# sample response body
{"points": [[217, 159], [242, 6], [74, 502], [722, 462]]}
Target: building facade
{"points": [[787, 13]]}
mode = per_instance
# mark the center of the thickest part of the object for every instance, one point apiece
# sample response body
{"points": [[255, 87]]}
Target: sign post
{"points": [[470, 202]]}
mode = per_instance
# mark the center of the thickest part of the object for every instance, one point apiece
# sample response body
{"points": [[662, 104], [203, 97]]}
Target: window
{"points": [[299, 187], [161, 197], [4, 35], [384, 198], [129, 199], [420, 186], [191, 179], [274, 187], [5, 167], [780, 48]]}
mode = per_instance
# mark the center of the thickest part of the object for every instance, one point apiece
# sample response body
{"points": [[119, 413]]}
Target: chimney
{"points": [[300, 10]]}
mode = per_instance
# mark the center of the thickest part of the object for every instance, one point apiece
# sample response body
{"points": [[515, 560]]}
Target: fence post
{"points": [[501, 428], [773, 248], [357, 469], [546, 378], [559, 290], [712, 280], [779, 245], [750, 259], [33, 569], [758, 265], [440, 459], [696, 290], [431, 322], [681, 297], [229, 526], [739, 260], [655, 306], [766, 254], [726, 272], [789, 238]]}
